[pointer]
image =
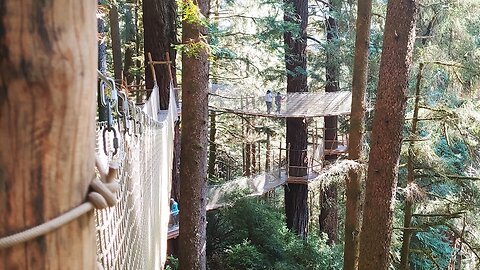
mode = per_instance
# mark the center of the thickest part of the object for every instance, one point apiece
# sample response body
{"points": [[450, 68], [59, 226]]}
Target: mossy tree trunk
{"points": [[48, 62], [398, 41]]}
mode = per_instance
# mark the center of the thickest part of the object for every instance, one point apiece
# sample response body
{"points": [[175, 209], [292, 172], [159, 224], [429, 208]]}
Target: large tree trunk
{"points": [[48, 61], [353, 189], [328, 218], [160, 34], [387, 128], [409, 200], [193, 166], [296, 208]]}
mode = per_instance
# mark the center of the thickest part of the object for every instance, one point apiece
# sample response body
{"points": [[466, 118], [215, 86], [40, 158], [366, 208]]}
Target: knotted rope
{"points": [[101, 195]]}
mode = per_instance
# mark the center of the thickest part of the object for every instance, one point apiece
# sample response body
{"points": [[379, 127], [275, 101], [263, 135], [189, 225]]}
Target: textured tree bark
{"points": [[160, 33], [48, 61], [116, 43], [296, 208], [328, 218], [353, 189], [409, 206], [387, 128], [193, 159], [329, 213]]}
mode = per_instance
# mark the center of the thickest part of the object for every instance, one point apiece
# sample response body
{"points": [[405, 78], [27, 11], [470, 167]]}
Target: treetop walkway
{"points": [[304, 104]]}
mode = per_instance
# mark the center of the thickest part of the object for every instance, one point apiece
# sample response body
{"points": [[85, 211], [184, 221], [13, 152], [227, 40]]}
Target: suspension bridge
{"points": [[141, 142]]}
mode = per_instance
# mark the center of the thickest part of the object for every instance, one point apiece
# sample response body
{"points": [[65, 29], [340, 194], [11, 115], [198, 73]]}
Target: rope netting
{"points": [[133, 233]]}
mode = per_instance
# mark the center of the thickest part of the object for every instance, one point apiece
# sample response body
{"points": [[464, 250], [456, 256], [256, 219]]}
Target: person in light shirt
{"points": [[278, 101], [268, 100]]}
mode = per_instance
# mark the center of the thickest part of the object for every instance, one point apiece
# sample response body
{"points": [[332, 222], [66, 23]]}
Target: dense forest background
{"points": [[437, 194]]}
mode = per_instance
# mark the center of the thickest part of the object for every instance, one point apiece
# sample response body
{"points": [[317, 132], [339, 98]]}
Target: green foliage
{"points": [[454, 155], [431, 249], [191, 12], [253, 235], [244, 256], [193, 49], [172, 263]]}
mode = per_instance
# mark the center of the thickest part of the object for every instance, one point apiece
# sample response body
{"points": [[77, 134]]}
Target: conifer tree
{"points": [[387, 136], [194, 143]]}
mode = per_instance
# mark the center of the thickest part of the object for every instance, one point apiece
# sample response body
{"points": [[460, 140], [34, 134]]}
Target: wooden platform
{"points": [[173, 232], [312, 176]]}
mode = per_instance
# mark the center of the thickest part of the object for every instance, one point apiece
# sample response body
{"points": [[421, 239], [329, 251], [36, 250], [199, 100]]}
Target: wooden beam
{"points": [[48, 71]]}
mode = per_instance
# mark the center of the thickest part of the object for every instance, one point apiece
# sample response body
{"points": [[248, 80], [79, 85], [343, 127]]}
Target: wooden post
{"points": [[152, 67], [48, 65], [167, 56]]}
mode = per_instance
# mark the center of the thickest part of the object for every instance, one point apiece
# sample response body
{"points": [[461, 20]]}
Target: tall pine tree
{"points": [[398, 41]]}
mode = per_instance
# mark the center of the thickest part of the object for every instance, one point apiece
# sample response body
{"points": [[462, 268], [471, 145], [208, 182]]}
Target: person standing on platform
{"points": [[174, 211], [278, 101], [269, 100]]}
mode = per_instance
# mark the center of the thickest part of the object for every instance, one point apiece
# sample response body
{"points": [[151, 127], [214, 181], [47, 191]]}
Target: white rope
{"points": [[101, 196], [46, 227]]}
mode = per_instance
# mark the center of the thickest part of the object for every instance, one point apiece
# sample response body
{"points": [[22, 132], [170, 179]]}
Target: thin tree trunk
{"points": [[138, 64], [193, 166], [176, 162], [212, 151], [253, 146], [248, 152], [130, 31], [116, 43], [409, 207], [296, 207], [328, 218], [387, 128], [47, 131], [353, 189], [268, 153]]}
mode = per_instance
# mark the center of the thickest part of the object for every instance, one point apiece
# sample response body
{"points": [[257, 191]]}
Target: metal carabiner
{"points": [[115, 140]]}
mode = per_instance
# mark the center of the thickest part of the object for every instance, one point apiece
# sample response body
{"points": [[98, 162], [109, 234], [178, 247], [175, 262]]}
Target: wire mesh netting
{"points": [[133, 233]]}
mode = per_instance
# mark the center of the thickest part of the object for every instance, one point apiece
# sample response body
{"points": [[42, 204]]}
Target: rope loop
{"points": [[102, 195]]}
